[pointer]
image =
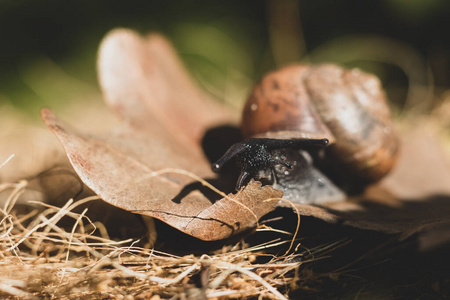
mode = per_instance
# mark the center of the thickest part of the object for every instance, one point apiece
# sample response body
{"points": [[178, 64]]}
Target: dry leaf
{"points": [[144, 81], [165, 118]]}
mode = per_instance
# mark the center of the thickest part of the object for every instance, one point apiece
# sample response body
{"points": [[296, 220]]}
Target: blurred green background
{"points": [[48, 48]]}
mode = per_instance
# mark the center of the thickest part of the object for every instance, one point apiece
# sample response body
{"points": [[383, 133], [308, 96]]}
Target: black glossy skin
{"points": [[254, 155]]}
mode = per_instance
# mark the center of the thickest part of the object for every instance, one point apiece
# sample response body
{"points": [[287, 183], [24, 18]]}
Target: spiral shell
{"points": [[348, 107]]}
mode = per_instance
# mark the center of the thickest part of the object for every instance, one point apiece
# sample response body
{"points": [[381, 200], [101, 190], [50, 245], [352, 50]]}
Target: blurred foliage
{"points": [[48, 48]]}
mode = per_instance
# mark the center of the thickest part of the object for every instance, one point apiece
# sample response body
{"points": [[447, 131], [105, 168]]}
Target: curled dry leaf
{"points": [[144, 81], [165, 117]]}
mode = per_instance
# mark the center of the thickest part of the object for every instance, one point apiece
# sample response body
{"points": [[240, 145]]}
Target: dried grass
{"points": [[41, 259]]}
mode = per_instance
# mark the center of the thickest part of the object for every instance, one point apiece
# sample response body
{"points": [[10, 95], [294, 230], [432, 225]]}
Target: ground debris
{"points": [[41, 259]]}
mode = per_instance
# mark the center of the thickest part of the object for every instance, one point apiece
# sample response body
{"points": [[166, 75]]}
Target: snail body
{"points": [[346, 107]]}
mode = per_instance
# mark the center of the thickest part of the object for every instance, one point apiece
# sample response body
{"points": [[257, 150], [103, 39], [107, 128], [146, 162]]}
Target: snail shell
{"points": [[348, 107]]}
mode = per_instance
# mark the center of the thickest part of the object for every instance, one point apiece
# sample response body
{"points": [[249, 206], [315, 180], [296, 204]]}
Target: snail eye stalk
{"points": [[255, 155]]}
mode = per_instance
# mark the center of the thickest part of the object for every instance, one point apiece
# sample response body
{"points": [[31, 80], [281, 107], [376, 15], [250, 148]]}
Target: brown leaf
{"points": [[165, 118], [119, 168], [144, 81]]}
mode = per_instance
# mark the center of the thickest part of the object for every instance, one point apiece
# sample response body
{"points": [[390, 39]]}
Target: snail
{"points": [[315, 132]]}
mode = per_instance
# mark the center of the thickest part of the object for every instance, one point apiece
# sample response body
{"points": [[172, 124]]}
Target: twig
{"points": [[70, 240], [7, 160], [8, 289], [252, 275], [18, 190], [46, 223]]}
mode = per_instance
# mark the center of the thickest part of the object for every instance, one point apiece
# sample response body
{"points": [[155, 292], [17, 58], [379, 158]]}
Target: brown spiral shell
{"points": [[348, 107]]}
